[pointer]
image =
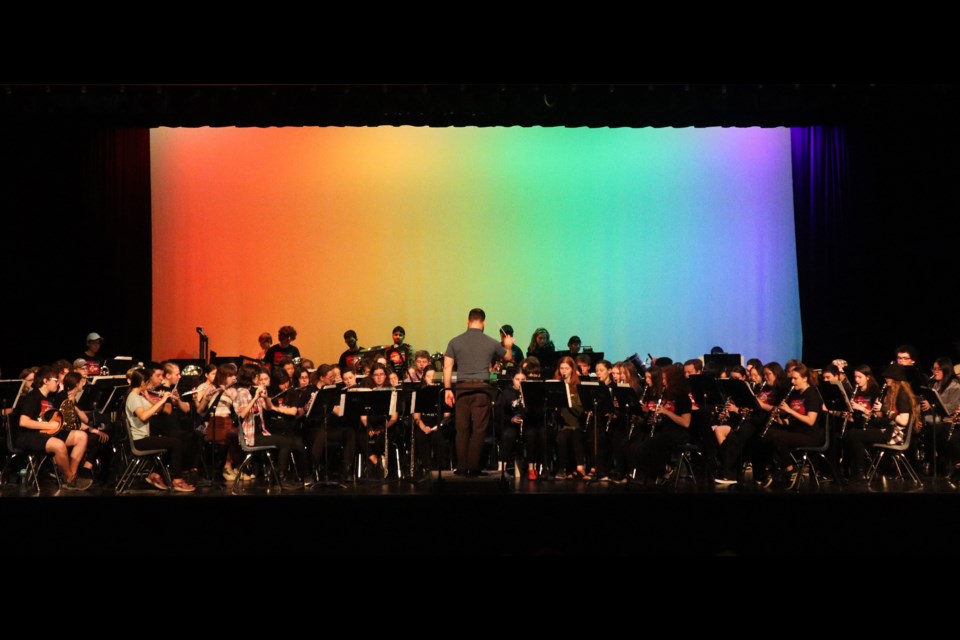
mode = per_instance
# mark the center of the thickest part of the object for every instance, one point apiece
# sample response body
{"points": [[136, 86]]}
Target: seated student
{"points": [[67, 446], [583, 366], [421, 369], [140, 410], [374, 445], [431, 442], [671, 426], [569, 435], [92, 356], [323, 425], [398, 355], [509, 413], [251, 404], [284, 349], [265, 341], [76, 418], [175, 420]]}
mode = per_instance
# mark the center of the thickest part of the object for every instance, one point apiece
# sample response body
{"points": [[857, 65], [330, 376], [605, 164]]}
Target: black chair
{"points": [[807, 456], [897, 453], [141, 463], [270, 468], [33, 467]]}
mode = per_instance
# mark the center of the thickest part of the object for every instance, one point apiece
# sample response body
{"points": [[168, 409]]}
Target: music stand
{"points": [[723, 360], [835, 399], [119, 364], [427, 399], [10, 391], [327, 397], [597, 395], [939, 413], [544, 395], [356, 403], [97, 389], [705, 390]]}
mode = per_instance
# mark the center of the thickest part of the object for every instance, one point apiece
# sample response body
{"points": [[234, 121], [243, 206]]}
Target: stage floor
{"points": [[490, 517]]}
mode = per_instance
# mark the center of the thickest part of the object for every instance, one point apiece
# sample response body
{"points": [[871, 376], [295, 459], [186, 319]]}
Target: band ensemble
{"points": [[540, 415]]}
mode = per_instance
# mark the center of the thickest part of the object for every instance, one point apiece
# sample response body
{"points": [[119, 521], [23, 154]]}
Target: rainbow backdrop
{"points": [[666, 241]]}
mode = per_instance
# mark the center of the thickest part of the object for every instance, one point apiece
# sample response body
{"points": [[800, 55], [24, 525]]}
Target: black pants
{"points": [[174, 447], [286, 444], [344, 436], [473, 412], [780, 441], [189, 437], [569, 441], [651, 455], [432, 448], [736, 447], [856, 442]]}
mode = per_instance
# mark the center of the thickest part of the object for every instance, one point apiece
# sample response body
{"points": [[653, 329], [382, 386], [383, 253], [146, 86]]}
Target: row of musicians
{"points": [[665, 399]]}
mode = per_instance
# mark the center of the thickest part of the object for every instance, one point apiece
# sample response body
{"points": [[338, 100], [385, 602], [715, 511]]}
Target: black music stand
{"points": [[939, 413], [627, 401], [596, 395], [327, 398], [372, 403], [723, 360], [405, 416], [705, 390], [97, 390], [119, 364], [10, 391], [836, 400], [545, 395], [426, 399], [739, 392]]}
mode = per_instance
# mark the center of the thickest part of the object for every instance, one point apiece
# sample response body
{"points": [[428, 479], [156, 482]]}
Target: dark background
{"points": [[876, 199]]}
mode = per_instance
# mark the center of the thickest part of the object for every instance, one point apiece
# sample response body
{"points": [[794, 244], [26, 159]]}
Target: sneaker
{"points": [[724, 481], [78, 484], [183, 487], [154, 481]]}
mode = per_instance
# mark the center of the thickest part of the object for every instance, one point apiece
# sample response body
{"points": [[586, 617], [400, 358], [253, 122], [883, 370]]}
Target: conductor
{"points": [[472, 352]]}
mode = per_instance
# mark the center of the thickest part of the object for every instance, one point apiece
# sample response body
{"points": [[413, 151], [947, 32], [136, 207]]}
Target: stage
{"points": [[487, 516]]}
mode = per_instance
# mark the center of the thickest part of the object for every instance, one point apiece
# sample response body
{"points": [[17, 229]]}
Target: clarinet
{"points": [[953, 423], [774, 414], [630, 417], [657, 416], [873, 414]]}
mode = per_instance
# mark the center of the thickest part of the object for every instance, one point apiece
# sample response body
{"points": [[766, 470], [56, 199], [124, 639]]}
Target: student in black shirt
{"points": [[895, 412], [799, 422], [671, 427], [284, 349], [350, 358], [66, 446]]}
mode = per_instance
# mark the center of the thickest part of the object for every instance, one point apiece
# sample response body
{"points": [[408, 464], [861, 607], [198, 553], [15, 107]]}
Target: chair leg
{"points": [[236, 481], [164, 472], [271, 472], [911, 472], [874, 466]]}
